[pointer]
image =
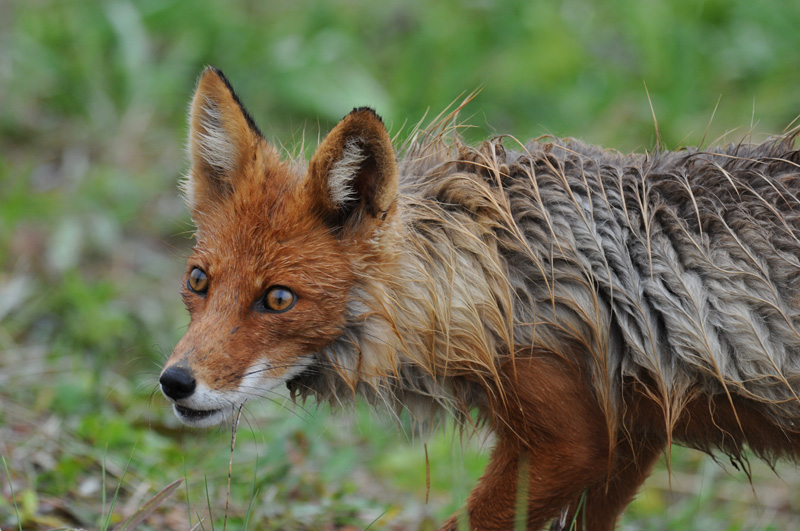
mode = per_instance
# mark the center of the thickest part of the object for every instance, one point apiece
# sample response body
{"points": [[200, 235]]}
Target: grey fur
{"points": [[679, 268]]}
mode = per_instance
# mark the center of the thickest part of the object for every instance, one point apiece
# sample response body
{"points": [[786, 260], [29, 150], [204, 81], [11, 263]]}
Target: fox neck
{"points": [[449, 290], [430, 311]]}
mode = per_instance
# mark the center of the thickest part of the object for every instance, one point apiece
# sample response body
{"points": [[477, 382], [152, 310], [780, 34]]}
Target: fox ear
{"points": [[222, 137], [354, 169]]}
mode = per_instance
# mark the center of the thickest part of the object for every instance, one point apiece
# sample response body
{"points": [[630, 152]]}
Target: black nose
{"points": [[177, 382]]}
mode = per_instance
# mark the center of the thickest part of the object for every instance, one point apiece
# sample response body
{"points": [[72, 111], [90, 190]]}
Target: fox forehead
{"points": [[283, 245], [257, 258], [267, 190]]}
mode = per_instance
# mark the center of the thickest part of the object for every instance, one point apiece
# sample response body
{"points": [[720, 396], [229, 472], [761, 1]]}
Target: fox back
{"points": [[657, 295]]}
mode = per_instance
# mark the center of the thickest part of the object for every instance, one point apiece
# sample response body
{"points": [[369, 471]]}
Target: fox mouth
{"points": [[198, 417]]}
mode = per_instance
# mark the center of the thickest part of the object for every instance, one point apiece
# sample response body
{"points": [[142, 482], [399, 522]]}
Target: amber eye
{"points": [[278, 299], [198, 281]]}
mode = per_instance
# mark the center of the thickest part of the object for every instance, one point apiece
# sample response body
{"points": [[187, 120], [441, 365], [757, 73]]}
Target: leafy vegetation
{"points": [[93, 233]]}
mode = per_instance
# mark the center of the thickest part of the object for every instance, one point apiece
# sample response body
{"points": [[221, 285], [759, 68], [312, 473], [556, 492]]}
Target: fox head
{"points": [[268, 281]]}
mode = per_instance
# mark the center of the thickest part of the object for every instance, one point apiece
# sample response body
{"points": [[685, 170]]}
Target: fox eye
{"points": [[198, 281], [278, 299]]}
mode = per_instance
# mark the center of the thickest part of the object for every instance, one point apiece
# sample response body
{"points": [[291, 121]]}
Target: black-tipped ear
{"points": [[222, 137], [354, 168]]}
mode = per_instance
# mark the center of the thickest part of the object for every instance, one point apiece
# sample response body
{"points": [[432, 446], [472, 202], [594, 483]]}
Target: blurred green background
{"points": [[93, 97]]}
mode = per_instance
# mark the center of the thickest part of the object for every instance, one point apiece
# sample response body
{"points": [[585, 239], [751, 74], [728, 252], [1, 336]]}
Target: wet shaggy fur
{"points": [[677, 269], [592, 306]]}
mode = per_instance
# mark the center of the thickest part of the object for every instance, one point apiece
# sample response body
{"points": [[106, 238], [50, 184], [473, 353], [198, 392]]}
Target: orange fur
{"points": [[458, 279]]}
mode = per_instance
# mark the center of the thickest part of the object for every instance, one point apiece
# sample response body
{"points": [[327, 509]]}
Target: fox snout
{"points": [[177, 382], [193, 402]]}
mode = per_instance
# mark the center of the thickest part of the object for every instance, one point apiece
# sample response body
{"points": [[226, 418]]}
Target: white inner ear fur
{"points": [[213, 142], [340, 177], [187, 189]]}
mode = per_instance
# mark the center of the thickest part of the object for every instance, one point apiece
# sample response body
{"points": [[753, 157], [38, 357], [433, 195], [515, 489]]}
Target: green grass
{"points": [[93, 233]]}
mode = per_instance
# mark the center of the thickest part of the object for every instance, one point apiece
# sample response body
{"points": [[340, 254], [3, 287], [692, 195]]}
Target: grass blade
{"points": [[103, 483], [145, 510], [208, 501], [13, 497], [234, 428], [116, 492], [188, 502], [253, 494], [574, 524], [376, 519]]}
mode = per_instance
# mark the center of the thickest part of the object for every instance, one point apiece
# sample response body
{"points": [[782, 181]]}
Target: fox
{"points": [[589, 307]]}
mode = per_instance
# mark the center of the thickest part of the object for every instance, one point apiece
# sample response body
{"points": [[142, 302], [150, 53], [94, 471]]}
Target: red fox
{"points": [[591, 307]]}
